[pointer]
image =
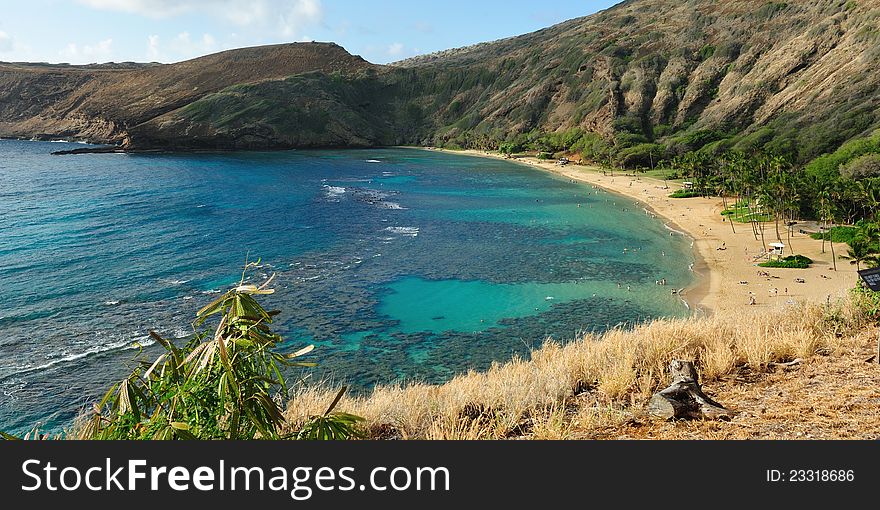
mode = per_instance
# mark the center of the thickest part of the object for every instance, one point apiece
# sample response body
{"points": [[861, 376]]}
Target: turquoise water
{"points": [[397, 264]]}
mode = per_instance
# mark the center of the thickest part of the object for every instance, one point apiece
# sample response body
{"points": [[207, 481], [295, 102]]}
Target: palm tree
{"points": [[871, 197], [824, 209], [834, 197], [726, 186], [861, 251]]}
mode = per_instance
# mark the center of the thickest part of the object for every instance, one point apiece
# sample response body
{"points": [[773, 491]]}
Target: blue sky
{"points": [[86, 31]]}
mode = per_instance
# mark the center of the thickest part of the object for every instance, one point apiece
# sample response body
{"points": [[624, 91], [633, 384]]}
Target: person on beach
{"points": [[752, 300]]}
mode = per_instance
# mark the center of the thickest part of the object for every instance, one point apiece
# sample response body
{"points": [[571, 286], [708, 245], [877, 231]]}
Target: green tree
{"points": [[861, 251]]}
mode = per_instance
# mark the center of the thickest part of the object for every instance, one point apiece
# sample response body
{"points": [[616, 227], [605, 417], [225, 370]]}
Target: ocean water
{"points": [[398, 264]]}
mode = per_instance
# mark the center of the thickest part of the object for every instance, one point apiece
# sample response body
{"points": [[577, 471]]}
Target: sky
{"points": [[381, 31]]}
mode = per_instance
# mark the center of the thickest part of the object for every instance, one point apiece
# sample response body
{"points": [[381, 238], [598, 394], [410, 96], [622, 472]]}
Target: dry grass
{"points": [[594, 386]]}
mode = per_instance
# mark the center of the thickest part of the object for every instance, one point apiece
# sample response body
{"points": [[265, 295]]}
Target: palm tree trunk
{"points": [[763, 242], [730, 217], [788, 228], [778, 235], [752, 219], [833, 255]]}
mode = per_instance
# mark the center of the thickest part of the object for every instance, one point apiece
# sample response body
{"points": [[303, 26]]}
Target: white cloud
{"points": [[395, 50], [183, 46], [6, 42], [153, 48], [287, 18], [302, 13], [398, 51], [425, 28], [89, 53]]}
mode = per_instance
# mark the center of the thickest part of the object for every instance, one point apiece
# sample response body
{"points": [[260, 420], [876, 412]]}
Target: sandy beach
{"points": [[729, 276]]}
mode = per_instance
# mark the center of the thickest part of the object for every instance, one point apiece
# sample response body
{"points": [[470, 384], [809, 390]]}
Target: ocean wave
{"points": [[127, 344], [394, 206], [679, 232], [180, 333], [111, 303], [404, 231], [11, 387], [373, 161], [175, 282], [334, 192], [137, 343]]}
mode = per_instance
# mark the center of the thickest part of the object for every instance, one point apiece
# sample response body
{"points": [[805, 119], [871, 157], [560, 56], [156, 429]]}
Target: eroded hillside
{"points": [[796, 77]]}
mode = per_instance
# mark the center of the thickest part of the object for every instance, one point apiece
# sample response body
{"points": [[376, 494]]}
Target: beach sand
{"points": [[727, 277]]}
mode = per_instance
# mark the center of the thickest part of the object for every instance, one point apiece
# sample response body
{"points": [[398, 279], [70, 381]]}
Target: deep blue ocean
{"points": [[398, 264]]}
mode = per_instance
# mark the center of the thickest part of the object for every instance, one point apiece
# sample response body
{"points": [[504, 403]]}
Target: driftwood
{"points": [[684, 398]]}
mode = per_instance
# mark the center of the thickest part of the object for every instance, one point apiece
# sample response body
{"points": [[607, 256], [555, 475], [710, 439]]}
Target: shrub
{"points": [[682, 193], [592, 147], [862, 167], [642, 156], [510, 148], [828, 166], [837, 234], [694, 140], [706, 52], [867, 301], [792, 262]]}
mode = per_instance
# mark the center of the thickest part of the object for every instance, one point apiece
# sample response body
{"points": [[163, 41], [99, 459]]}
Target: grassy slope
{"points": [[597, 387]]}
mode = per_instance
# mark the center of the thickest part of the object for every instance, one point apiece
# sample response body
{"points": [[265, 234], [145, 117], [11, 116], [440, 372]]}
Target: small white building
{"points": [[776, 250]]}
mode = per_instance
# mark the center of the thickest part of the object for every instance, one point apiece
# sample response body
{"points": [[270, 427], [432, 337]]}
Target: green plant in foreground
{"points": [[331, 425], [225, 383], [867, 301], [217, 386]]}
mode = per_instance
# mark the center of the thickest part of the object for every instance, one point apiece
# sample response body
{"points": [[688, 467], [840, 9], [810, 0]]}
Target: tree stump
{"points": [[684, 398]]}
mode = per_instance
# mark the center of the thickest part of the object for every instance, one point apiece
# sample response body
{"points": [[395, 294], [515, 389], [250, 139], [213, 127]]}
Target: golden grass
{"points": [[579, 389]]}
